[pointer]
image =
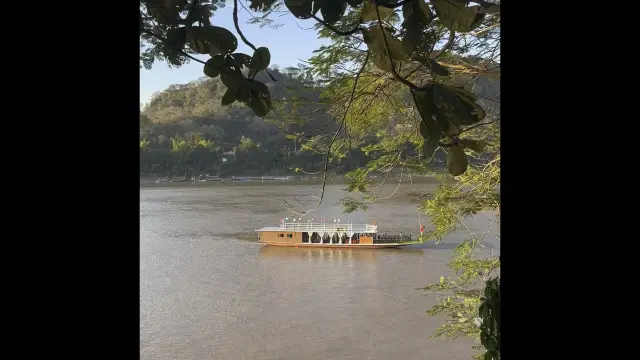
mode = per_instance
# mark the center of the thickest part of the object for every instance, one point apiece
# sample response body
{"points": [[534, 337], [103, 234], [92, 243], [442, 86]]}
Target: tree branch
{"points": [[244, 39], [411, 85], [170, 43], [343, 33], [476, 125], [335, 136]]}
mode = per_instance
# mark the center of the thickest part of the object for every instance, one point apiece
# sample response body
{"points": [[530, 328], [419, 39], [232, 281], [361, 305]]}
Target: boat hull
{"points": [[340, 246]]}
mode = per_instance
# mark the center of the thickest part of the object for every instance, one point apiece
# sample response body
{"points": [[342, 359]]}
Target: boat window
{"points": [[280, 235], [289, 235]]}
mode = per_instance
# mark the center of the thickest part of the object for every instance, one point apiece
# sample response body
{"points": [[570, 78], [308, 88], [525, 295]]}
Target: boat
{"points": [[207, 177], [245, 178], [180, 179], [335, 234]]}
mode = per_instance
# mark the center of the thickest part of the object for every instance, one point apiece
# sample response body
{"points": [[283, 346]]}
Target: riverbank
{"points": [[298, 180]]}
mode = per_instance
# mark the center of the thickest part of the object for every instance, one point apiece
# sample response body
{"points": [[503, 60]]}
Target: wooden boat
{"points": [[301, 234], [207, 177]]}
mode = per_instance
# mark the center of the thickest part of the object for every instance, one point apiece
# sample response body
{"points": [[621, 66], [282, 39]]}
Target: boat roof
{"points": [[322, 228], [271, 228]]}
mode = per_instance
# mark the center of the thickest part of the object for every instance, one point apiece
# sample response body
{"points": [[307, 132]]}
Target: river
{"points": [[208, 290]]}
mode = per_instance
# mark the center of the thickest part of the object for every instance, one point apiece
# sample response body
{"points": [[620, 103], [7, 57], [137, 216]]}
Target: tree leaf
{"points": [[430, 129], [301, 11], [438, 69], [232, 78], [229, 96], [426, 108], [317, 5], [177, 37], [239, 60], [220, 40], [200, 13], [457, 161], [261, 5], [490, 8], [477, 21], [458, 108], [395, 45], [164, 15], [260, 60], [430, 146], [198, 46], [260, 98], [413, 33], [447, 125], [418, 10], [332, 10], [374, 38], [244, 93], [426, 11], [354, 3], [369, 13], [464, 93], [456, 15], [211, 68], [475, 145]]}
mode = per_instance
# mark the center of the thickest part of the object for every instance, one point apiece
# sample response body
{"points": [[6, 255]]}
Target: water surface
{"points": [[208, 290]]}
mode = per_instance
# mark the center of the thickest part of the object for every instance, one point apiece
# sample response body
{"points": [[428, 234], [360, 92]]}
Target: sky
{"points": [[287, 44]]}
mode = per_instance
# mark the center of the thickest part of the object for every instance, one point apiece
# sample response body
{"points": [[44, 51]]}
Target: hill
{"points": [[184, 130]]}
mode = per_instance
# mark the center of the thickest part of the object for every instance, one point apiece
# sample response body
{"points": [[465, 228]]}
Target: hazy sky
{"points": [[287, 44]]}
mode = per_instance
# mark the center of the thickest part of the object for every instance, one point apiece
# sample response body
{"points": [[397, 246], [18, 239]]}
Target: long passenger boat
{"points": [[308, 234]]}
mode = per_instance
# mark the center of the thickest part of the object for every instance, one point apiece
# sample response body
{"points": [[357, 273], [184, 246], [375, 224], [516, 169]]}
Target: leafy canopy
{"points": [[174, 29]]}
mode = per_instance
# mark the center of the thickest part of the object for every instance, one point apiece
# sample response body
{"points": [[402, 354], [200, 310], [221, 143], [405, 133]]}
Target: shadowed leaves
{"points": [[374, 37], [369, 13], [457, 15]]}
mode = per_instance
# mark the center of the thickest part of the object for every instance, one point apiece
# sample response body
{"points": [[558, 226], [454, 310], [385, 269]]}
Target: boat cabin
{"points": [[329, 235]]}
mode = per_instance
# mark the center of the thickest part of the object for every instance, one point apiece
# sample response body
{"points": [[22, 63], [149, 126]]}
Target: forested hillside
{"points": [[185, 130]]}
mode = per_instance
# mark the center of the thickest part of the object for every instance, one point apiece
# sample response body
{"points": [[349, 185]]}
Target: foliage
{"points": [[443, 109], [489, 312], [167, 26], [460, 297]]}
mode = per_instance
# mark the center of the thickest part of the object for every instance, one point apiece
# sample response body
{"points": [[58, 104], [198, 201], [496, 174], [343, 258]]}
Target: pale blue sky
{"points": [[287, 44]]}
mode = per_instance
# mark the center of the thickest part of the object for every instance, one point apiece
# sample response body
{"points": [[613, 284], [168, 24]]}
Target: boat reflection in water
{"points": [[333, 254]]}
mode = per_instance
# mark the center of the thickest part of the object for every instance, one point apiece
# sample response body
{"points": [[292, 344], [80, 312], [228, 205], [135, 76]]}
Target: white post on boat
{"points": [[299, 220]]}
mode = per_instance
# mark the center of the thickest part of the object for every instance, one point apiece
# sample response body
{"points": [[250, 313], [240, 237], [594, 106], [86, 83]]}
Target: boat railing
{"points": [[326, 227], [391, 239]]}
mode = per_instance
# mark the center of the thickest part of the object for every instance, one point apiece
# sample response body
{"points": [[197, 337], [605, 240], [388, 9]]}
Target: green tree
{"points": [[180, 148]]}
